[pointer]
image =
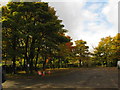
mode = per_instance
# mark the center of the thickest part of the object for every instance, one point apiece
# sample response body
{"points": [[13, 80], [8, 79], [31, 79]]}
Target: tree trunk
{"points": [[59, 63], [31, 56], [44, 64], [26, 56], [5, 62], [14, 65], [24, 64], [80, 63], [37, 58], [14, 56]]}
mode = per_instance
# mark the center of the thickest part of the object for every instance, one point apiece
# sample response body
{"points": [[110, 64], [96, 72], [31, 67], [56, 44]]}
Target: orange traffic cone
{"points": [[39, 72]]}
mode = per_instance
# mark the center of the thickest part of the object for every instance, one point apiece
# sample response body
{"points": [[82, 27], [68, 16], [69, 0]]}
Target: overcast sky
{"points": [[89, 20]]}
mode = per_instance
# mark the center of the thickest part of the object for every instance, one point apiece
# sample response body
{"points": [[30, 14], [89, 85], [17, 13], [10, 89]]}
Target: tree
{"points": [[65, 52], [81, 51], [107, 51], [31, 29]]}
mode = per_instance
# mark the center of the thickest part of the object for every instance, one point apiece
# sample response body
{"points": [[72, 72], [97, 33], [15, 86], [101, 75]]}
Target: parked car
{"points": [[118, 64]]}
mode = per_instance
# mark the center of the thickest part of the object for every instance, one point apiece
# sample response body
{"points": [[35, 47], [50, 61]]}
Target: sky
{"points": [[89, 20]]}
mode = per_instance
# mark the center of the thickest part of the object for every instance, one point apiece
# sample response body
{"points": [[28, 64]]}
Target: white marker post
{"points": [[118, 64]]}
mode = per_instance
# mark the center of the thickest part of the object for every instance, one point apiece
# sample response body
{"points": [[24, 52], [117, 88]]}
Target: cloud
{"points": [[2, 2], [63, 0], [102, 24], [74, 0], [111, 11], [88, 20], [71, 15]]}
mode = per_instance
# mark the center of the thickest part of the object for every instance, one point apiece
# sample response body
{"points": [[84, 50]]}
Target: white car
{"points": [[118, 64]]}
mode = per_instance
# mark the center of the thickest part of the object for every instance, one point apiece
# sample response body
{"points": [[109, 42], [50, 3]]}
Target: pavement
{"points": [[82, 78]]}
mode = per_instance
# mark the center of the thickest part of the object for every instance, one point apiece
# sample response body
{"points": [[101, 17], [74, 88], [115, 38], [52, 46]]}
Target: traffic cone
{"points": [[43, 74], [39, 72], [49, 72]]}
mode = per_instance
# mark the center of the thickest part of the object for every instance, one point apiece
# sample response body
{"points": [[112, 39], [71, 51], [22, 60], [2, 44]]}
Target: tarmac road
{"points": [[72, 78]]}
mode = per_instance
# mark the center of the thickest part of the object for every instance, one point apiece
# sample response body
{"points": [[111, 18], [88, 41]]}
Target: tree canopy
{"points": [[107, 51]]}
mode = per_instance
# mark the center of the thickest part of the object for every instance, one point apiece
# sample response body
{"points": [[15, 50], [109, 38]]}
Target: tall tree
{"points": [[31, 28], [81, 51]]}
